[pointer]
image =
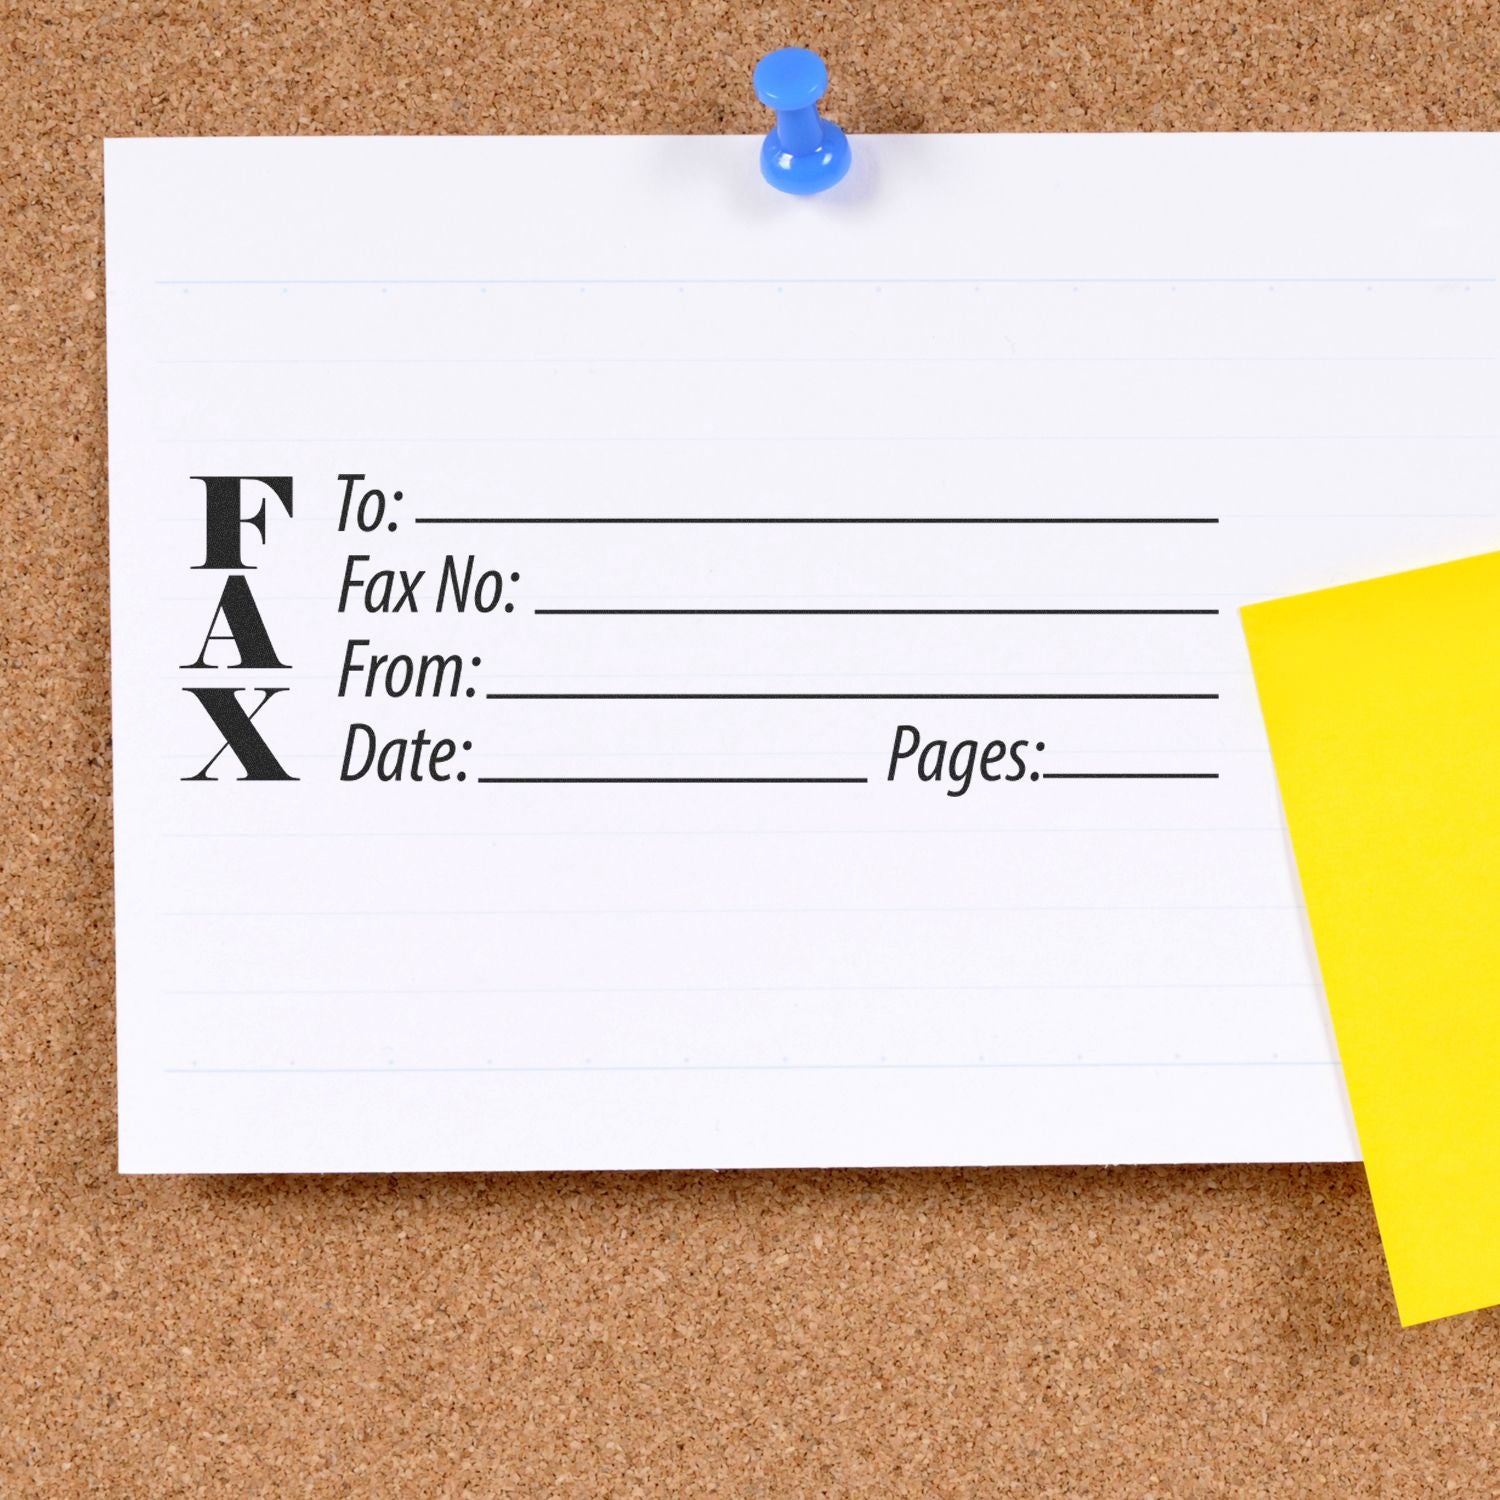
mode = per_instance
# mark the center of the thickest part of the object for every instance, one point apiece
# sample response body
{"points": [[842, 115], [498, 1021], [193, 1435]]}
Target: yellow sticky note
{"points": [[1382, 700]]}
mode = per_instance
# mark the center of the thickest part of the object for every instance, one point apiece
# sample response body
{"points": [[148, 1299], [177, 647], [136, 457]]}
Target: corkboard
{"points": [[980, 1333]]}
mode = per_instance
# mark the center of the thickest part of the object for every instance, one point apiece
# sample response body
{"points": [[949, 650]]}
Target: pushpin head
{"points": [[803, 153]]}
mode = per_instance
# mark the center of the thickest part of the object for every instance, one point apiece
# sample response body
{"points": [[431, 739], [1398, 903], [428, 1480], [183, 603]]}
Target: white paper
{"points": [[1254, 364]]}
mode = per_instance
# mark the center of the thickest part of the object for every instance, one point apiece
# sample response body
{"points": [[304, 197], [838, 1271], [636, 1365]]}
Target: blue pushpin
{"points": [[804, 153]]}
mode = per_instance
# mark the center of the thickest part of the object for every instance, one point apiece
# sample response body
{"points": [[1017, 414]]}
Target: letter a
{"points": [[246, 629]]}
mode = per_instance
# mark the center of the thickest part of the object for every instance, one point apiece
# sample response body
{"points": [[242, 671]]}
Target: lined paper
{"points": [[721, 537]]}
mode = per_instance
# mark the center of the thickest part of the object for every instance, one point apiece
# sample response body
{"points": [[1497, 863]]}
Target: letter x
{"points": [[223, 706]]}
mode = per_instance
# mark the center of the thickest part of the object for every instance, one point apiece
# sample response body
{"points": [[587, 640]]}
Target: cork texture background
{"points": [[1193, 1332]]}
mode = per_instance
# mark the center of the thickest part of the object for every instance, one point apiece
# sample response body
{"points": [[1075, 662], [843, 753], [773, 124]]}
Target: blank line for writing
{"points": [[363, 914], [947, 439], [817, 520], [1247, 1062], [1196, 986], [847, 697], [986, 831], [825, 280], [1130, 775], [875, 611], [837, 359], [673, 780], [1234, 987], [816, 780]]}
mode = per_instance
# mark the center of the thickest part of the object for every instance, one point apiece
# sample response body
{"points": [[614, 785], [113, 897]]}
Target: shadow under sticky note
{"points": [[1382, 700]]}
